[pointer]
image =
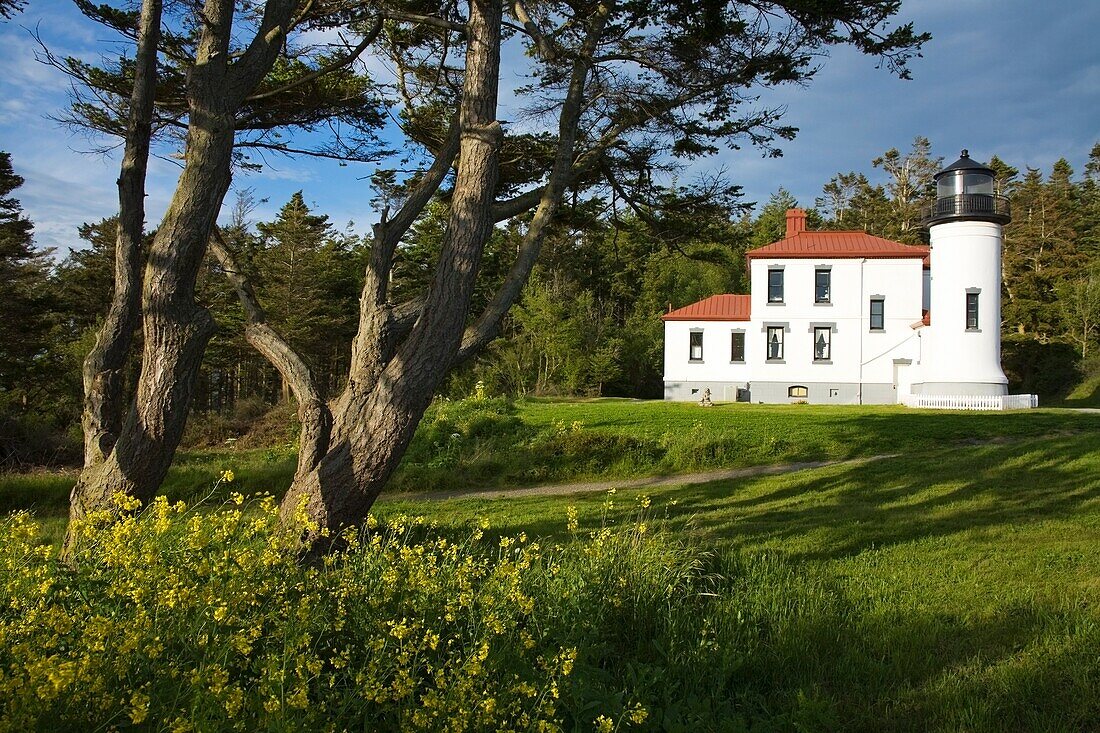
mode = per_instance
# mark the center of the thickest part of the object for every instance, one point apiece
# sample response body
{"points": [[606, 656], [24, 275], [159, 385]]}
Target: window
{"points": [[775, 343], [823, 343], [775, 286], [822, 285], [798, 391], [695, 353], [971, 311], [737, 346], [878, 314]]}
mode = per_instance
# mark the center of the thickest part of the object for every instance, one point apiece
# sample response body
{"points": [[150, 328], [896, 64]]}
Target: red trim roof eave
{"points": [[845, 255], [725, 307], [837, 245]]}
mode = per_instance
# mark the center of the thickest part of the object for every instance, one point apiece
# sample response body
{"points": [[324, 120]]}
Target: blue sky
{"points": [[1015, 78]]}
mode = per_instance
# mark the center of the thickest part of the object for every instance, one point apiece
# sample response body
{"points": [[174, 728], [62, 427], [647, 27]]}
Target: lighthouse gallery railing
{"points": [[967, 204]]}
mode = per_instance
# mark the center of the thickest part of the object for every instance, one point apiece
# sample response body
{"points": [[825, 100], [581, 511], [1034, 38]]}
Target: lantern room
{"points": [[964, 192]]}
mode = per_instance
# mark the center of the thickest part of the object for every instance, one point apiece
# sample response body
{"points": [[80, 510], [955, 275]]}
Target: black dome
{"points": [[965, 163]]}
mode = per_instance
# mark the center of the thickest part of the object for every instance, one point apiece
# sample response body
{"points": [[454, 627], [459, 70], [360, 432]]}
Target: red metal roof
{"points": [[715, 308], [837, 244]]}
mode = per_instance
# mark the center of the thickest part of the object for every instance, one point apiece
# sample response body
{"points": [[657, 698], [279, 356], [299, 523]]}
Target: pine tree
{"points": [[1040, 249], [910, 187], [1003, 175], [771, 224], [1088, 236], [836, 198], [306, 286], [86, 276], [25, 292], [869, 209]]}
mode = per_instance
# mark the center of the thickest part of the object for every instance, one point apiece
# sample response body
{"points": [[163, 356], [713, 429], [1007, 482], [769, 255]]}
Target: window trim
{"points": [[828, 358], [782, 285], [973, 293], [691, 346], [733, 334], [805, 392], [768, 331], [871, 314], [828, 272]]}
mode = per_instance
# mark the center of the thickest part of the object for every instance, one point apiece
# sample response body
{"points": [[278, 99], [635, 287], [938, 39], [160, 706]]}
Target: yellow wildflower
{"points": [[139, 707]]}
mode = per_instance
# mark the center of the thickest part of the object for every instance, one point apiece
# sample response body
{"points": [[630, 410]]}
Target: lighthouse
{"points": [[961, 347]]}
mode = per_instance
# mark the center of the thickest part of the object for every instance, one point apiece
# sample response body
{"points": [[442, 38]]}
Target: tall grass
{"points": [[206, 621]]}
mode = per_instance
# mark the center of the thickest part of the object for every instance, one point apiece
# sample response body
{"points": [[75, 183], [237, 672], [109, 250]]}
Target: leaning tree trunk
{"points": [[375, 418], [176, 328], [313, 412], [103, 367]]}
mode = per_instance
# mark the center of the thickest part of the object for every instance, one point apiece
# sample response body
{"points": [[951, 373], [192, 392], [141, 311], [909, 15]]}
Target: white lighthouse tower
{"points": [[961, 349]]}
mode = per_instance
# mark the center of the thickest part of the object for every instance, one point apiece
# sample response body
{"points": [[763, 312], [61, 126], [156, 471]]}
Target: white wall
{"points": [[858, 354], [715, 366], [965, 256]]}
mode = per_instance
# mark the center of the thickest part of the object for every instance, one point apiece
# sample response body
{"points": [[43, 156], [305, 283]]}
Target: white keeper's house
{"points": [[844, 317]]}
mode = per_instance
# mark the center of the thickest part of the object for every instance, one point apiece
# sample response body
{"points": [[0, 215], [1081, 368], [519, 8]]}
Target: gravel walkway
{"points": [[629, 483]]}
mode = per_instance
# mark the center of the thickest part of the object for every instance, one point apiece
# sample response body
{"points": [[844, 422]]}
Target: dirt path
{"points": [[630, 483]]}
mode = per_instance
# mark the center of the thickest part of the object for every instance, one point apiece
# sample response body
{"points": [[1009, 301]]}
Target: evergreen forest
{"points": [[588, 322]]}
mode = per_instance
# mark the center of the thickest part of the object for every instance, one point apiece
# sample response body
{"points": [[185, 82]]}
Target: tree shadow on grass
{"points": [[792, 649], [822, 654], [897, 500]]}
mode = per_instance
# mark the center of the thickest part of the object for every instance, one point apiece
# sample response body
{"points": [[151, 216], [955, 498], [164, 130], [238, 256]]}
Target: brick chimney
{"points": [[796, 221]]}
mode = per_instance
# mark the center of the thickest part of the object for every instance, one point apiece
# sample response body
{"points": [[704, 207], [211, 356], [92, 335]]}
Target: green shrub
{"points": [[206, 622], [574, 450], [1048, 369], [448, 423]]}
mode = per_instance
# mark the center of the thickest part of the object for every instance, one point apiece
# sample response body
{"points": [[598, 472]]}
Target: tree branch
{"points": [[246, 73], [546, 48], [376, 337], [488, 324], [327, 68], [420, 19], [313, 412]]}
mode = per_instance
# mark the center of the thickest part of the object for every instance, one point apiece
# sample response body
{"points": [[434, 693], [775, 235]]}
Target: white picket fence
{"points": [[972, 402]]}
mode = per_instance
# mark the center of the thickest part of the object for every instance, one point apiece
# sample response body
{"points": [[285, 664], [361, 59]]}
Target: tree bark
{"points": [[380, 323], [175, 327], [488, 324], [374, 423], [103, 367]]}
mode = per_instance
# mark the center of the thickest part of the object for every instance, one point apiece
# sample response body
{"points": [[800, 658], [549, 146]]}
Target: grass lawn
{"points": [[957, 589], [955, 586], [1086, 394], [470, 445]]}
